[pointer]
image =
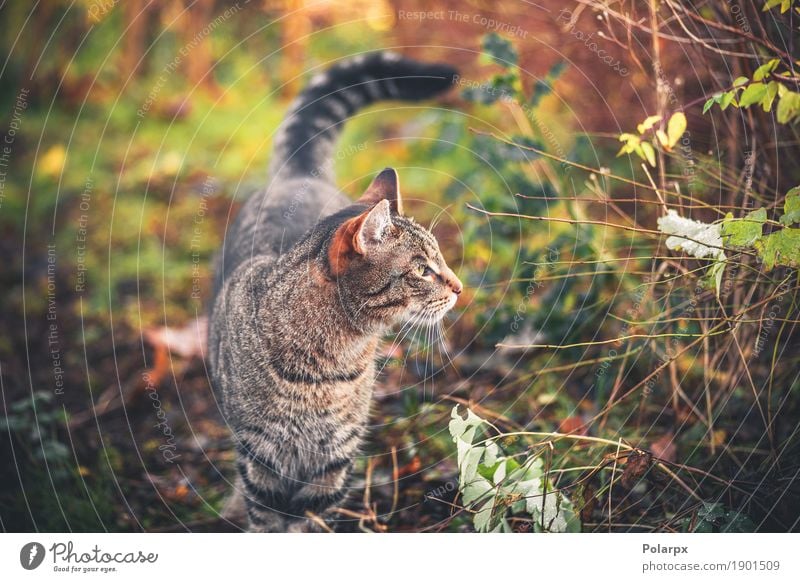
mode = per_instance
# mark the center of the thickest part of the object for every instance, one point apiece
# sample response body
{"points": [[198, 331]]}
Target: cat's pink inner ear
{"points": [[345, 244], [356, 235], [386, 186], [377, 222]]}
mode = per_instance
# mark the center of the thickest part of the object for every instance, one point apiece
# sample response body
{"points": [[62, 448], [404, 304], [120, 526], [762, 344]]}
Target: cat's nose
{"points": [[455, 284]]}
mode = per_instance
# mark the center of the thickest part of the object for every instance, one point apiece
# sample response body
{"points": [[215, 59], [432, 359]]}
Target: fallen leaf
{"points": [[413, 467], [186, 342], [573, 424], [664, 448], [638, 463], [546, 399], [52, 162], [181, 491]]}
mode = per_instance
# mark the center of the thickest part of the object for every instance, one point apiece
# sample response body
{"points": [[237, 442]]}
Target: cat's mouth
{"points": [[434, 311]]}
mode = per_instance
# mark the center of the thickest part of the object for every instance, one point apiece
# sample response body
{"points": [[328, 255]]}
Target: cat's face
{"points": [[390, 269]]}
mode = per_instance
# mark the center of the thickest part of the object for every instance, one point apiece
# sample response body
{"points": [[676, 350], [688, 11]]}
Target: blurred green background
{"points": [[138, 128]]}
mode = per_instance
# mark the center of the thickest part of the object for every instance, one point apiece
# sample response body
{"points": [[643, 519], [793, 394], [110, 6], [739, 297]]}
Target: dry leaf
{"points": [[186, 342], [637, 465], [664, 448], [573, 425]]}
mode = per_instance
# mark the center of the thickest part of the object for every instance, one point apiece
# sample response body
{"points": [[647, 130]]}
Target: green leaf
{"points": [[631, 143], [711, 511], [726, 99], [13, 423], [52, 451], [791, 207], [499, 474], [482, 94], [22, 405], [788, 107], [769, 98], [492, 454], [743, 232], [476, 491], [463, 428], [715, 517], [499, 484], [753, 94], [483, 518], [715, 273], [531, 469], [543, 87], [708, 104], [648, 153], [554, 512], [780, 248], [501, 86], [487, 470], [736, 522], [469, 458], [648, 123], [675, 128], [500, 50], [765, 69], [739, 81]]}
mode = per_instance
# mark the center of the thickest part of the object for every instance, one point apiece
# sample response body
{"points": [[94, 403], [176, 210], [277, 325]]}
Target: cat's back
{"points": [[270, 224]]}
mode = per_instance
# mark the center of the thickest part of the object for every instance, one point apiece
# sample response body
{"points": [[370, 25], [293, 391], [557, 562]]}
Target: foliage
{"points": [[633, 143], [761, 91], [743, 232], [715, 517], [38, 423], [681, 326], [496, 486], [701, 240], [44, 464]]}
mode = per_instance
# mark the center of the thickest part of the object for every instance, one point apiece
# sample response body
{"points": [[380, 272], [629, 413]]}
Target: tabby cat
{"points": [[307, 285]]}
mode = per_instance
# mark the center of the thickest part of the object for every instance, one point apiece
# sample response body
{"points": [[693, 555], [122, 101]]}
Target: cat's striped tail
{"points": [[304, 143]]}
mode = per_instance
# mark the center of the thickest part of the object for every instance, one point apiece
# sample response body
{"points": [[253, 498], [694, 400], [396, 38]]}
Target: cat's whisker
{"points": [[358, 311], [412, 329], [445, 350], [425, 369], [438, 341], [419, 344], [429, 324], [407, 327]]}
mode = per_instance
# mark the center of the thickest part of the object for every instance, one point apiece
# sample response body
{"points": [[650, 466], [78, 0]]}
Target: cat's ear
{"points": [[357, 235], [376, 224], [386, 186]]}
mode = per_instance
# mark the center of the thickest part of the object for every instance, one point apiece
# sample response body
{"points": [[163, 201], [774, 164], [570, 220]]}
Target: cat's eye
{"points": [[424, 270]]}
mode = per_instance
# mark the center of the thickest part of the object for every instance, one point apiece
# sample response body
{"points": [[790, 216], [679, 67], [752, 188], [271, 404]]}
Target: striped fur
{"points": [[306, 139], [292, 336]]}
